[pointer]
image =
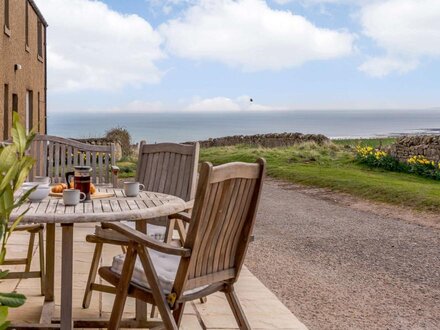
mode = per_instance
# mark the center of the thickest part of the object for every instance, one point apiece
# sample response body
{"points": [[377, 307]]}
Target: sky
{"points": [[215, 55]]}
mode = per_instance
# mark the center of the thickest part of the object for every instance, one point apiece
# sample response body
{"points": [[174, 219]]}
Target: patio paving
{"points": [[263, 309]]}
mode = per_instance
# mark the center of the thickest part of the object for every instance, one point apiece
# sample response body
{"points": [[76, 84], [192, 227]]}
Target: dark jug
{"points": [[81, 179]]}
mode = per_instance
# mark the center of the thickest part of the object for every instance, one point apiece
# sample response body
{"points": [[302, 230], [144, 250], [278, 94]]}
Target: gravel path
{"points": [[336, 267]]}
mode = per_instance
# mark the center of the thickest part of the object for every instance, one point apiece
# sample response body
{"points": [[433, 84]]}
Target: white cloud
{"points": [[250, 35], [382, 66], [407, 30], [242, 103], [91, 46]]}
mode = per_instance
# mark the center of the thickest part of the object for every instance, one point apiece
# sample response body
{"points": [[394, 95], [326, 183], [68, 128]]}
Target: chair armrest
{"points": [[189, 205], [184, 216], [140, 238]]}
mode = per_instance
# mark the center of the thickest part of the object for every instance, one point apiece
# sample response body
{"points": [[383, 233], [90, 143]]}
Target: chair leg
{"points": [[178, 313], [236, 308], [182, 231], [92, 275], [169, 231], [42, 263], [154, 313], [122, 288], [159, 297], [30, 252]]}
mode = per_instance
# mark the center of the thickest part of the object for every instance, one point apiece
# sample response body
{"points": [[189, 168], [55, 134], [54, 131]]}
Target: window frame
{"points": [[7, 27], [27, 26], [40, 41]]}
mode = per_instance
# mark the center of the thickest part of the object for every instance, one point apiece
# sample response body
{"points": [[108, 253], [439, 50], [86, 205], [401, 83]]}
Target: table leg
{"points": [[141, 306], [49, 303], [66, 276]]}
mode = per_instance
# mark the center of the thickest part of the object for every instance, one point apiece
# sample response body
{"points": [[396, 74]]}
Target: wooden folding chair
{"points": [[168, 168], [218, 236]]}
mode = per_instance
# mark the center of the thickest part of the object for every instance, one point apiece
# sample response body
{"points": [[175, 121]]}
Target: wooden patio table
{"points": [[52, 211]]}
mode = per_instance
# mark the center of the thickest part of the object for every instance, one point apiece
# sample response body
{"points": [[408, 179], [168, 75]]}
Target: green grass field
{"points": [[333, 166]]}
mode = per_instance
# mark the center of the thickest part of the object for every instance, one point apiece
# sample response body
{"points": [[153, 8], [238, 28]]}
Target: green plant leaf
{"points": [[7, 179], [3, 316], [19, 134], [17, 222], [25, 165], [12, 299], [4, 273], [2, 255], [7, 158]]}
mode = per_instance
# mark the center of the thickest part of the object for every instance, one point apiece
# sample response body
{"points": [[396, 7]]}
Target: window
{"points": [[6, 113], [40, 38], [15, 102], [27, 24], [7, 28], [29, 110], [39, 112]]}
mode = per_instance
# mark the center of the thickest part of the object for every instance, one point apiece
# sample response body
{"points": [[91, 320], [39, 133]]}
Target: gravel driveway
{"points": [[337, 267]]}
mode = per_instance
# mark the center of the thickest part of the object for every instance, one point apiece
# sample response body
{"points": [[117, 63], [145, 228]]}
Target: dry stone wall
{"points": [[265, 140], [424, 145]]}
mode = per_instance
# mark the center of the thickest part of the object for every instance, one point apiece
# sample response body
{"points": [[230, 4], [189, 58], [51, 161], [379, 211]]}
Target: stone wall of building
{"points": [[265, 140], [22, 66], [424, 145]]}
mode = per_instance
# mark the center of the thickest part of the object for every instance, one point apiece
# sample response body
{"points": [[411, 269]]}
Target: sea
{"points": [[183, 127]]}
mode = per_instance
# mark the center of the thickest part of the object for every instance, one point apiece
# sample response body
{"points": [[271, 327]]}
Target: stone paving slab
{"points": [[263, 309]]}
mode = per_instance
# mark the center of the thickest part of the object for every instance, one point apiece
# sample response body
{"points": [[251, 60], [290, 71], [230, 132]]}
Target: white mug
{"points": [[72, 197], [132, 188]]}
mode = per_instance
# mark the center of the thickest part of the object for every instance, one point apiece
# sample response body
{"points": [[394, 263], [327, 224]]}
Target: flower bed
{"points": [[417, 164]]}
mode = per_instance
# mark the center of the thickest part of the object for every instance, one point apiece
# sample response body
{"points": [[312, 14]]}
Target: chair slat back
{"points": [[55, 156], [221, 224], [169, 168]]}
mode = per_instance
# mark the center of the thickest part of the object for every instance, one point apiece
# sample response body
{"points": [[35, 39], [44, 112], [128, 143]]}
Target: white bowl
{"points": [[33, 184], [38, 194]]}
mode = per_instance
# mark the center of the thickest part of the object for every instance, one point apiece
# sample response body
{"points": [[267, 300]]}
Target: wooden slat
{"points": [[69, 165], [221, 222], [180, 179], [245, 201], [210, 207], [186, 187], [63, 163], [75, 157], [152, 171], [165, 172], [93, 155], [57, 161], [81, 157], [107, 168], [168, 177], [87, 153], [219, 255], [50, 160], [100, 164], [175, 173], [210, 231], [44, 157], [159, 171]]}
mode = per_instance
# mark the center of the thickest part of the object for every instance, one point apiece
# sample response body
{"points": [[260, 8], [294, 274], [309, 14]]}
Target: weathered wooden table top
{"points": [[146, 205]]}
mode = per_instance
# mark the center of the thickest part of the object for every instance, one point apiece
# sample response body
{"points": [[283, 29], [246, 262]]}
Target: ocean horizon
{"points": [[182, 127]]}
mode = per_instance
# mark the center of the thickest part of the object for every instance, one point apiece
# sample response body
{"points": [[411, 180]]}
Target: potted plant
{"points": [[15, 166]]}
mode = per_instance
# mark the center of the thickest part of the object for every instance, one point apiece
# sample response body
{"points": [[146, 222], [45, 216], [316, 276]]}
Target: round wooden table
{"points": [[52, 211]]}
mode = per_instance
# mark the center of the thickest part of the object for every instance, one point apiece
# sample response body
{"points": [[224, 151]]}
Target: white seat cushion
{"points": [[156, 232], [165, 265]]}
